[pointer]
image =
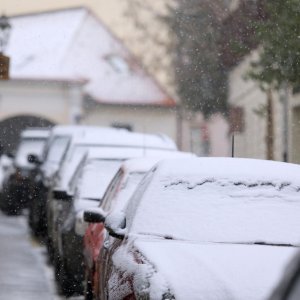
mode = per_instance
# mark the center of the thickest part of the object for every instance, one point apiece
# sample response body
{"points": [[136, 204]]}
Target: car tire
{"points": [[66, 288]]}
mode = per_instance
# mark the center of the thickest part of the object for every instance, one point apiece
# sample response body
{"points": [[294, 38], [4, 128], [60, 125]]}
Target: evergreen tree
{"points": [[279, 37]]}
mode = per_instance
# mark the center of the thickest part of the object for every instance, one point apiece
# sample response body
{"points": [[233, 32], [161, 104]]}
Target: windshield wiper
{"points": [[261, 243], [275, 244]]}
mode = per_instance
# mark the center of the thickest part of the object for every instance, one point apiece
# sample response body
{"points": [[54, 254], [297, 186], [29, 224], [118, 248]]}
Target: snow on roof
{"points": [[41, 133], [74, 45]]}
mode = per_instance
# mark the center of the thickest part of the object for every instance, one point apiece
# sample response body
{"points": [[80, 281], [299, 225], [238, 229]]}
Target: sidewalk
{"points": [[23, 272]]}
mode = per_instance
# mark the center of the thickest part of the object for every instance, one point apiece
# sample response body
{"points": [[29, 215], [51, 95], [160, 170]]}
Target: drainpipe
{"points": [[284, 99]]}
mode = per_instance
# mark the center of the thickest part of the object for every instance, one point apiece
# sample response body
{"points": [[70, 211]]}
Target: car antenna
{"points": [[232, 145]]}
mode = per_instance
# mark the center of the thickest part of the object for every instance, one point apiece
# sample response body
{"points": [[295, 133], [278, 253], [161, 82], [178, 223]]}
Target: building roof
{"points": [[74, 45]]}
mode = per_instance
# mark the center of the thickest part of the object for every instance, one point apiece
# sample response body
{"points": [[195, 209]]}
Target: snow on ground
{"points": [[24, 272]]}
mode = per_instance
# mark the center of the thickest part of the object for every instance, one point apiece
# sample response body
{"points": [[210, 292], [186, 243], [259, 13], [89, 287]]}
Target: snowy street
{"points": [[24, 273]]}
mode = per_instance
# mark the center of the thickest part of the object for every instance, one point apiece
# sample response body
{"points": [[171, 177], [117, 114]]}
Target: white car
{"points": [[204, 228]]}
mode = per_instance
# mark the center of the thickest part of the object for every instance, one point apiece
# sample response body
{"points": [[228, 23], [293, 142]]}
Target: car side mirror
{"points": [[94, 216], [33, 159], [115, 224], [61, 195]]}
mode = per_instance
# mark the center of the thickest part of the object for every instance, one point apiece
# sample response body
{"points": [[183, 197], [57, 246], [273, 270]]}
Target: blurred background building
{"points": [[189, 59]]}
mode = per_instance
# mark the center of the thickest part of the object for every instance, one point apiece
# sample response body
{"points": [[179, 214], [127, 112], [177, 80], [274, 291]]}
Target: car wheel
{"points": [[65, 285]]}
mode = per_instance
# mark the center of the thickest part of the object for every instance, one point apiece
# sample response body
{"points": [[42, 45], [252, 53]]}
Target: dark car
{"points": [[18, 187], [56, 148], [93, 177]]}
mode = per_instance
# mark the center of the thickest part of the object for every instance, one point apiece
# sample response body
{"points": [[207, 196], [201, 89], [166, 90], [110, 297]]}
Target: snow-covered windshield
{"points": [[95, 178], [26, 147], [218, 211]]}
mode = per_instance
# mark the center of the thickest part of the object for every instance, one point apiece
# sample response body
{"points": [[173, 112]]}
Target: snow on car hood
{"points": [[216, 271]]}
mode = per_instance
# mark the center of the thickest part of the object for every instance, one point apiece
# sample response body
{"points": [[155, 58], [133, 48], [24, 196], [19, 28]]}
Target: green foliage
{"points": [[279, 36]]}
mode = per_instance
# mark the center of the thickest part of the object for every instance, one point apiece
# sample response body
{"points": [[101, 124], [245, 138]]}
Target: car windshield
{"points": [[218, 211], [26, 147], [95, 178], [57, 149]]}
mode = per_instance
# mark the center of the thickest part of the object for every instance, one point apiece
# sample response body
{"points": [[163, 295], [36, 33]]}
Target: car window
{"points": [[125, 191], [75, 177], [294, 293], [57, 149], [112, 190], [137, 196], [95, 177]]}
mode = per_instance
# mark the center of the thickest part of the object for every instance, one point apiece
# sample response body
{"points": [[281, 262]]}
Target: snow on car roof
{"points": [[110, 143], [69, 129], [121, 137], [131, 153], [34, 133], [253, 201], [145, 163]]}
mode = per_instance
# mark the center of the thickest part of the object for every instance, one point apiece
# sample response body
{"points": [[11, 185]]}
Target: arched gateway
{"points": [[10, 129]]}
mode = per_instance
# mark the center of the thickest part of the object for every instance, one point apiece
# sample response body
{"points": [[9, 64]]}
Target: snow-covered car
{"points": [[90, 182], [112, 144], [116, 198], [55, 150], [118, 193], [18, 187], [204, 228]]}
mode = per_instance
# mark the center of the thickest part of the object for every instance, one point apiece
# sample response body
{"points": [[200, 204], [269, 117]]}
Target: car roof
{"points": [[35, 133], [121, 137], [144, 164]]}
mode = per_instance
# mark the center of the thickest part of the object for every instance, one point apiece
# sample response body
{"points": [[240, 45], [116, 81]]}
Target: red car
{"points": [[202, 228], [117, 195]]}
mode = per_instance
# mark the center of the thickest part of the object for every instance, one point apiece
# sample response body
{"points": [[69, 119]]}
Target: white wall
{"points": [[243, 93], [58, 102], [142, 119], [205, 137]]}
